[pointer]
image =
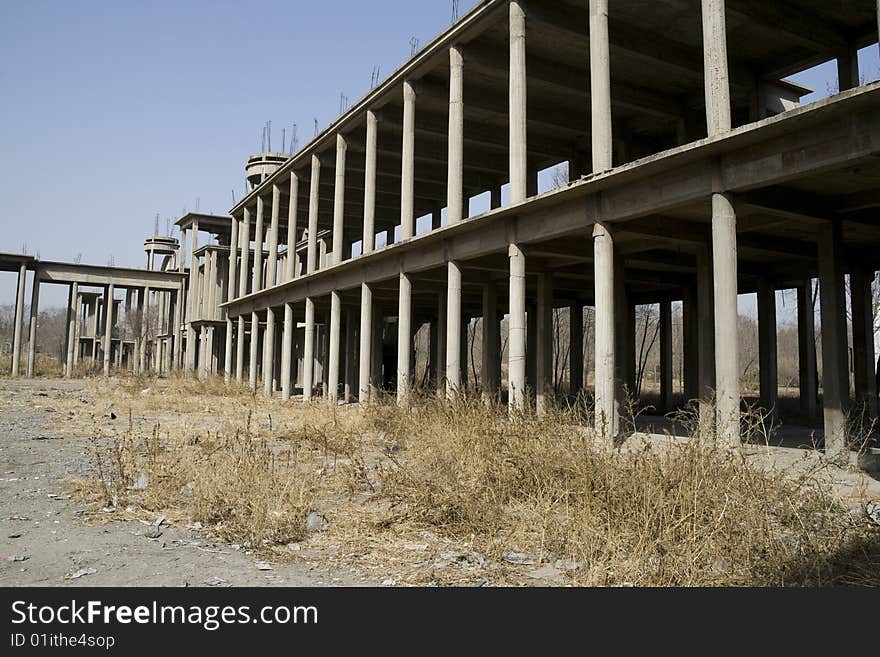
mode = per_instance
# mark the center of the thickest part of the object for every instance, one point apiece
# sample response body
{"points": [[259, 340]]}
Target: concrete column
{"points": [[705, 339], [245, 253], [351, 382], [108, 324], [453, 329], [333, 348], [286, 351], [666, 373], [272, 262], [436, 218], [254, 346], [144, 316], [339, 200], [259, 236], [767, 364], [366, 335], [309, 352], [212, 311], [179, 296], [439, 345], [808, 376], [690, 344], [490, 347], [314, 200], [232, 282], [835, 375], [727, 398], [544, 339], [290, 271], [518, 103], [227, 352], [71, 328], [181, 252], [576, 348], [377, 354], [495, 197], [269, 354], [606, 418], [455, 172], [204, 357], [76, 329], [600, 87], [864, 376], [516, 345], [19, 319], [408, 164], [404, 338], [32, 326], [370, 185], [716, 80], [848, 69], [531, 348], [239, 350]]}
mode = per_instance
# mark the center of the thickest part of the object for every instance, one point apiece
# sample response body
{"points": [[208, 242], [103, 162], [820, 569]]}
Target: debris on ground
{"points": [[82, 572]]}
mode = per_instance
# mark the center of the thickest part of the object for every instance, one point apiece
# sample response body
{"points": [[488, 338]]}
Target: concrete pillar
{"points": [[314, 200], [269, 354], [544, 340], [835, 375], [290, 271], [76, 329], [239, 349], [272, 262], [848, 68], [144, 317], [19, 319], [254, 345], [518, 103], [202, 361], [232, 285], [576, 348], [404, 338], [366, 336], [71, 328], [690, 344], [181, 252], [333, 348], [339, 200], [767, 364], [227, 352], [727, 400], [259, 236], [495, 197], [517, 339], [245, 253], [369, 238], [108, 324], [531, 348], [807, 372], [439, 345], [705, 338], [864, 376], [666, 373], [408, 164], [491, 343], [211, 312], [286, 351], [606, 418], [716, 80], [453, 329], [455, 160], [351, 382], [309, 352], [32, 326], [377, 355], [436, 218], [600, 87]]}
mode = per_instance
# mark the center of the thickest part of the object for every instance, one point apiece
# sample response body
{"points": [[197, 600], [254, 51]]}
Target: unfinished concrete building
{"points": [[695, 176]]}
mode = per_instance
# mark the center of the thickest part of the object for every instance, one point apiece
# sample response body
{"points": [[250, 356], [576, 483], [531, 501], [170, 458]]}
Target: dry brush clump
{"points": [[683, 513]]}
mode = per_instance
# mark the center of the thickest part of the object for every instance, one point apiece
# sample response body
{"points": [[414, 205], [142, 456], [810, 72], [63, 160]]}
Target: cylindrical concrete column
{"points": [[108, 325], [333, 348], [518, 103], [272, 262], [408, 164], [269, 353], [767, 366], [309, 352], [19, 319], [286, 351], [314, 200], [808, 377], [606, 417], [32, 326], [366, 339], [716, 80], [339, 200], [292, 228], [453, 329], [239, 350], [232, 281], [576, 348], [517, 329], [600, 86], [259, 236], [254, 346], [245, 253], [455, 160], [404, 338], [370, 184], [544, 356], [727, 398]]}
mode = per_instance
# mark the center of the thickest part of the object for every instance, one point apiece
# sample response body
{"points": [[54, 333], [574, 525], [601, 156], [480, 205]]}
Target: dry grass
{"points": [[462, 478]]}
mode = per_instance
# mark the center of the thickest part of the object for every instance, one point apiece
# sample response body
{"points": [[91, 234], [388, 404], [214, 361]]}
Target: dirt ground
{"points": [[45, 540]]}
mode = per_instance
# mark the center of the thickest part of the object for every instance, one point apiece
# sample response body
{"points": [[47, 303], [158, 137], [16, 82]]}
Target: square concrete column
{"points": [[408, 164], [254, 346], [269, 353], [605, 414], [286, 351], [404, 338], [108, 326], [228, 352], [518, 103], [377, 355], [808, 376], [705, 338], [245, 253], [290, 271], [314, 200], [767, 365], [495, 197], [491, 343], [32, 325], [239, 349], [835, 374], [369, 237], [68, 324], [351, 383], [19, 319], [272, 261], [464, 364], [453, 329], [544, 340], [181, 252], [439, 345], [864, 373], [436, 218], [232, 276], [77, 329], [517, 329], [259, 236], [309, 352], [531, 348], [144, 318], [690, 344], [204, 356], [339, 201], [600, 87], [366, 344], [666, 373], [716, 80], [576, 348], [71, 328], [333, 354], [848, 68], [455, 159]]}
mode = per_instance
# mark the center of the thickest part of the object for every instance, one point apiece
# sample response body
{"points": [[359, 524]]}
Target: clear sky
{"points": [[114, 111]]}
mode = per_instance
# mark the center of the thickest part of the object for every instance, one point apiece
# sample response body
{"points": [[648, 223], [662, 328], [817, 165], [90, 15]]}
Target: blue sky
{"points": [[113, 112]]}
